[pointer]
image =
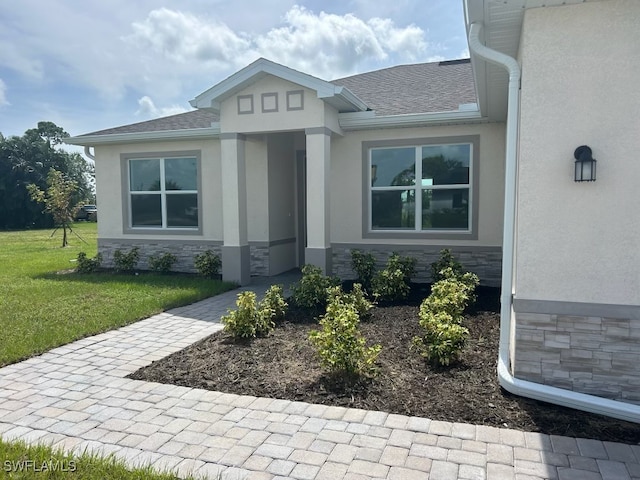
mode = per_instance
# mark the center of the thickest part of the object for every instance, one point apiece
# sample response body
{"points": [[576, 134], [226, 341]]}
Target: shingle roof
{"points": [[181, 121], [404, 89], [419, 88]]}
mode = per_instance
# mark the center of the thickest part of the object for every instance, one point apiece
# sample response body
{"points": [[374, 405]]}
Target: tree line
{"points": [[27, 160]]}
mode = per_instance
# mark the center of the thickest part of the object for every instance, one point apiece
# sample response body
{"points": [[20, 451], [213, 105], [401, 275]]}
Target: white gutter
{"points": [[88, 153], [559, 396], [184, 134], [363, 120]]}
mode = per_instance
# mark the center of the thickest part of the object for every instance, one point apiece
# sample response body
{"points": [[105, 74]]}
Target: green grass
{"points": [[25, 462], [43, 305]]}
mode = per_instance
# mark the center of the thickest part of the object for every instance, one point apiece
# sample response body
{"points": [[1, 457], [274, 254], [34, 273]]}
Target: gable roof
{"points": [[400, 90], [337, 96]]}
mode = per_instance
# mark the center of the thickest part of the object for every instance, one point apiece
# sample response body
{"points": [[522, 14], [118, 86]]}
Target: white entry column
{"points": [[318, 250], [235, 248]]}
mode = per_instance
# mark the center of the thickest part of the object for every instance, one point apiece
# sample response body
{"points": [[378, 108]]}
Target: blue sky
{"points": [[88, 65]]}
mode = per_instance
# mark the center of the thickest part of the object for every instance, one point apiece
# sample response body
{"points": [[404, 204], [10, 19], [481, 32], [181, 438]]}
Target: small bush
{"points": [[274, 302], [162, 263], [446, 260], [311, 290], [392, 283], [88, 265], [364, 264], [207, 264], [441, 316], [126, 262], [357, 298], [242, 322], [251, 319], [341, 348]]}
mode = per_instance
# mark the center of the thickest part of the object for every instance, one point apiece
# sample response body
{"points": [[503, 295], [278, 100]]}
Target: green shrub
{"points": [[443, 340], [392, 283], [274, 302], [88, 265], [311, 290], [357, 298], [441, 316], [242, 322], [126, 262], [162, 263], [207, 264], [364, 264], [341, 348], [446, 260], [251, 319]]}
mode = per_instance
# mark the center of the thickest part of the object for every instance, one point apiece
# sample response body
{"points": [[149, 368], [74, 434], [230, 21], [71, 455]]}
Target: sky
{"points": [[88, 64]]}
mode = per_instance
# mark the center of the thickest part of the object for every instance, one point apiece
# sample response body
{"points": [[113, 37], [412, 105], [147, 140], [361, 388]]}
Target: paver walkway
{"points": [[76, 397]]}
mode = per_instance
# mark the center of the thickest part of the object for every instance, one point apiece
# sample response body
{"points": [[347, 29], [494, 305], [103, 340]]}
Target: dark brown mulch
{"points": [[284, 365]]}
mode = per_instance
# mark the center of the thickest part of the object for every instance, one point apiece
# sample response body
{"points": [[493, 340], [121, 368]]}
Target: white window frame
{"points": [[163, 192], [417, 232]]}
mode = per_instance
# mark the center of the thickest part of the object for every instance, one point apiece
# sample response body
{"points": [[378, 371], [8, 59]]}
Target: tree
{"points": [[57, 200], [27, 160]]}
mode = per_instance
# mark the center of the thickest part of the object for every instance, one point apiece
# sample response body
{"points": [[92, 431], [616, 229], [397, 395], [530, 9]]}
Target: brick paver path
{"points": [[77, 397]]}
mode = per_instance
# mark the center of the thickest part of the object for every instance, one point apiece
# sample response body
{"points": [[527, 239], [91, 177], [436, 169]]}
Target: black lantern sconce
{"points": [[585, 166]]}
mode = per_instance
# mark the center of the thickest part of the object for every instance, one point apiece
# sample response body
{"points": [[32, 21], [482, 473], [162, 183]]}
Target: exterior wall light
{"points": [[585, 167]]}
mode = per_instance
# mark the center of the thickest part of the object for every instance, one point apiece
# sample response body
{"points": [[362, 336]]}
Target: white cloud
{"points": [[3, 93], [149, 109], [324, 44], [185, 38]]}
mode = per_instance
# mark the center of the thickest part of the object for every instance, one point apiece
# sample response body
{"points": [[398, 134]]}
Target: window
{"points": [[424, 188], [163, 192]]}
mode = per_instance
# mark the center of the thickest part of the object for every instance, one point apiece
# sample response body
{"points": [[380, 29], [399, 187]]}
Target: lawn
{"points": [[18, 460], [43, 304]]}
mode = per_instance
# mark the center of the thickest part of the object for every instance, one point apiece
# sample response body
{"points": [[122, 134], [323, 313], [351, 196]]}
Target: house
{"points": [[275, 168]]}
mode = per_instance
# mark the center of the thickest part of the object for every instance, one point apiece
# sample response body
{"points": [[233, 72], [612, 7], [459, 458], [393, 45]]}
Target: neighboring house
{"points": [[276, 168]]}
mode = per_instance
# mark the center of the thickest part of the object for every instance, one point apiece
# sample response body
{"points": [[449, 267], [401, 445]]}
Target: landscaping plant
{"points": [[441, 316], [252, 319], [364, 264], [57, 200], [126, 262], [357, 298], [311, 290], [392, 283], [207, 264], [446, 260], [341, 347], [274, 302], [162, 263], [88, 265]]}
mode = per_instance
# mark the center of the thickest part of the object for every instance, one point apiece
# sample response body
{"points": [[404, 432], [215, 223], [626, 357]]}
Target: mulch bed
{"points": [[284, 365]]}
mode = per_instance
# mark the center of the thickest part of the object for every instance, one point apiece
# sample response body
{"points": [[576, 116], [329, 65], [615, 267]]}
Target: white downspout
{"points": [[88, 153], [559, 396]]}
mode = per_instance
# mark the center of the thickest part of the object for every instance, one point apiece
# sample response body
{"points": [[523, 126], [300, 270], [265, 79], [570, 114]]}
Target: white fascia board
{"points": [[348, 96], [367, 120], [184, 134]]}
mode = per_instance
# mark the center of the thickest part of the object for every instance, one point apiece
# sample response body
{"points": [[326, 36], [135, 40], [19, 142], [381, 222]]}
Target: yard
{"points": [[43, 305]]}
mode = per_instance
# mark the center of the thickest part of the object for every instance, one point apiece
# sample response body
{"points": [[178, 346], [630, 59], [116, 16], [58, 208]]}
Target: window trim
{"points": [[126, 193], [469, 234]]}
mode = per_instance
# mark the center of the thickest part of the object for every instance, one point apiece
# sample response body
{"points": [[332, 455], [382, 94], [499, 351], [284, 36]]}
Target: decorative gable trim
{"points": [[339, 97]]}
